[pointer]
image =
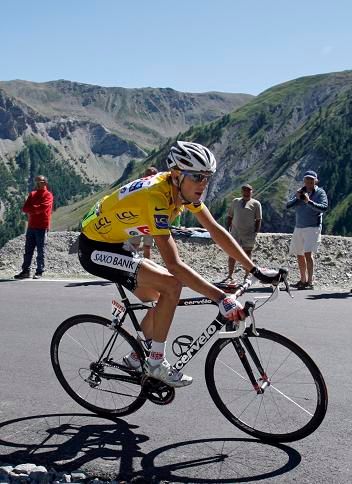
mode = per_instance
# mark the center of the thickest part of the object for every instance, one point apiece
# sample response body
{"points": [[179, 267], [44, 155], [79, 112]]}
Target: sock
{"points": [[157, 353]]}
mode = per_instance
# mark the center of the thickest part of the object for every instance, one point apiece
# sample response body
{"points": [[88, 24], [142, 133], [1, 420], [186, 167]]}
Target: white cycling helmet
{"points": [[191, 157]]}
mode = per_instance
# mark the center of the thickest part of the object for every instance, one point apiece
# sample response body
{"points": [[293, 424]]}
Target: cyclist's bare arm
{"points": [[185, 274], [223, 238]]}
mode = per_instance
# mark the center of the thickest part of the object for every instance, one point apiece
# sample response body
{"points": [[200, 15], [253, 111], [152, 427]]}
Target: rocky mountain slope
{"points": [[333, 263], [83, 137], [271, 141], [102, 128]]}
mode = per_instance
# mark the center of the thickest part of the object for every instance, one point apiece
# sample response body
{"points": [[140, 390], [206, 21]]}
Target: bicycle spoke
{"points": [[284, 404], [101, 383], [89, 354], [291, 400]]}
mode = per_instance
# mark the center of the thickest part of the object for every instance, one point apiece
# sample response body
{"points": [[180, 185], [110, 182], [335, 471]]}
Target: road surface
{"points": [[188, 440]]}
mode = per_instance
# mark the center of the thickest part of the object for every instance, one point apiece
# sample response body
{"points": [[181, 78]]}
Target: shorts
{"points": [[306, 239], [246, 241], [115, 262], [148, 240]]}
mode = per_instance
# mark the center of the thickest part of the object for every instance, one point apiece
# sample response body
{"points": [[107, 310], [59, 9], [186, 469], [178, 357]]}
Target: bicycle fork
{"points": [[263, 382]]}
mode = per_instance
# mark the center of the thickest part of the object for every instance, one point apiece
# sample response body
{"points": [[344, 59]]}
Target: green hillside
{"points": [[35, 158]]}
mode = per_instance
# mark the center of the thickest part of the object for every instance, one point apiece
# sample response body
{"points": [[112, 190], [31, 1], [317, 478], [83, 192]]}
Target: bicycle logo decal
{"points": [[181, 344]]}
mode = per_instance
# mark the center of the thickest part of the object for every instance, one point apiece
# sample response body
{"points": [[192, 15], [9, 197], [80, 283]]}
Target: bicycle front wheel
{"points": [[288, 401], [87, 357]]}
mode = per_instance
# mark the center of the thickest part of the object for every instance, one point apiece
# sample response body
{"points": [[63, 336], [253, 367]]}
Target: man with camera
{"points": [[310, 203]]}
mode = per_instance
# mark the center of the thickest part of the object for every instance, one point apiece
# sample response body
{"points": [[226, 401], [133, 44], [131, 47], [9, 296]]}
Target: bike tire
{"points": [[76, 345], [292, 406]]}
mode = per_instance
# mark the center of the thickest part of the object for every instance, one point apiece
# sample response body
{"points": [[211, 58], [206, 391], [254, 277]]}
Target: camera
{"points": [[302, 191]]}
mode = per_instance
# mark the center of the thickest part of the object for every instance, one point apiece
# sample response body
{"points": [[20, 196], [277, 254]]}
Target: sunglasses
{"points": [[196, 177]]}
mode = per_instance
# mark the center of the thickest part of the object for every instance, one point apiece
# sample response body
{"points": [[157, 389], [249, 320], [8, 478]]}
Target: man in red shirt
{"points": [[38, 208]]}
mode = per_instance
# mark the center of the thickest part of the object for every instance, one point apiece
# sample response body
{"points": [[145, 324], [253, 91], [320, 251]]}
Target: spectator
{"points": [[310, 202], [244, 218], [38, 208], [147, 239], [147, 244]]}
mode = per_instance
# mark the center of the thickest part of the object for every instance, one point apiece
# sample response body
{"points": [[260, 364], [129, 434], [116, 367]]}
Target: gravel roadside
{"points": [[333, 263]]}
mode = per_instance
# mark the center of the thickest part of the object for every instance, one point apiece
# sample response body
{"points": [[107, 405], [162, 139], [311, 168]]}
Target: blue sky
{"points": [[189, 45]]}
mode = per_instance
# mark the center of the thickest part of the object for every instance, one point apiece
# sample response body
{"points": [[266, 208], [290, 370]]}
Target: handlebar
{"points": [[239, 289], [249, 307]]}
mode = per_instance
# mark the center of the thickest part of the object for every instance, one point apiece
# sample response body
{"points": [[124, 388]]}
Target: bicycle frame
{"points": [[198, 343], [87, 350]]}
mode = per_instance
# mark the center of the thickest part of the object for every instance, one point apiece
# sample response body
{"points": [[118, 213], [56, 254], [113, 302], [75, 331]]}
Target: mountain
{"points": [[269, 142], [85, 136], [272, 140], [102, 128]]}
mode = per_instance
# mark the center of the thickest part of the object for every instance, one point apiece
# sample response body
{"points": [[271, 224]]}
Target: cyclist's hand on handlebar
{"points": [[231, 309], [267, 276]]}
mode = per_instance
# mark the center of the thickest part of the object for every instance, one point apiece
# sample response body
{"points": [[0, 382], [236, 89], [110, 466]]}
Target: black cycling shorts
{"points": [[114, 262]]}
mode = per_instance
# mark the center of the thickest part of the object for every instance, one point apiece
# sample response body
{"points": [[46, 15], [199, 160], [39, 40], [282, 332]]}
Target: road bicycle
{"points": [[262, 382]]}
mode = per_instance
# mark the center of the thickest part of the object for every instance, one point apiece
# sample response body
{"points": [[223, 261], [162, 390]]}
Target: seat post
{"points": [[121, 290]]}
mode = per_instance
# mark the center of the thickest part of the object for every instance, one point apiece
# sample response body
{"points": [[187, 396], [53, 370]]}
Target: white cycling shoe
{"points": [[132, 364], [167, 374]]}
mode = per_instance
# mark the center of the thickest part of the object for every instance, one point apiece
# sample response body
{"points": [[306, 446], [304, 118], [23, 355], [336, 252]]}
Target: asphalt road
{"points": [[188, 440]]}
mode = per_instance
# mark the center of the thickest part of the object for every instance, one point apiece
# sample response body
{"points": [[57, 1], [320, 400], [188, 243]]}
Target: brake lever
{"points": [[252, 318]]}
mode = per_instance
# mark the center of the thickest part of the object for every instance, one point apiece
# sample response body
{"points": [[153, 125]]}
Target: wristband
{"points": [[254, 271], [221, 298]]}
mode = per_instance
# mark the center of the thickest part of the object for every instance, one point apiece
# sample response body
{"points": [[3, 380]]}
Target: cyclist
{"points": [[148, 206]]}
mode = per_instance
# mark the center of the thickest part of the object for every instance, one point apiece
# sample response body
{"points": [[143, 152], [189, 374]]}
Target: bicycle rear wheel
{"points": [[87, 357], [294, 399]]}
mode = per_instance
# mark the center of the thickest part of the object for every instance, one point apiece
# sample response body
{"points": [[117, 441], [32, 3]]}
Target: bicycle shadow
{"points": [[89, 283], [75, 441], [72, 444], [227, 460], [330, 295]]}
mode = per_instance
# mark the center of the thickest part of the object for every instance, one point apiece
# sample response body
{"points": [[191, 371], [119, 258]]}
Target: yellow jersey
{"points": [[142, 207]]}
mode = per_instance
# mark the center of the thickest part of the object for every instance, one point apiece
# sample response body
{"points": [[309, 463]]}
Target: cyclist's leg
{"points": [[145, 278], [152, 277], [154, 282], [117, 263]]}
